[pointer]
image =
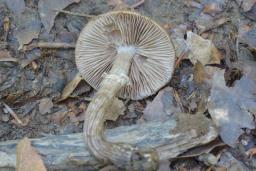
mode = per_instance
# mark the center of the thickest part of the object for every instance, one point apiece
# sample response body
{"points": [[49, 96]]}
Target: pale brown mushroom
{"points": [[126, 54]]}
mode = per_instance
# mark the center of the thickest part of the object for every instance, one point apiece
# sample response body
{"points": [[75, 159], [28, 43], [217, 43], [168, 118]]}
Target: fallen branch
{"points": [[14, 115], [49, 45], [75, 13], [170, 138]]}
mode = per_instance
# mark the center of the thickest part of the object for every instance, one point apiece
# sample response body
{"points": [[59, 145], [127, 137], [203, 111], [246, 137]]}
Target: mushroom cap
{"points": [[152, 65]]}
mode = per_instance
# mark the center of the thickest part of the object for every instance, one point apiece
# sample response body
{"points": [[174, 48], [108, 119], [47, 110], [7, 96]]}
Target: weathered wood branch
{"points": [[68, 152]]}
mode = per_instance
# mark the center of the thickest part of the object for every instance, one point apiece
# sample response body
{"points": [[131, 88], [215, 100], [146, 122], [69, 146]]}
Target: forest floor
{"points": [[215, 71]]}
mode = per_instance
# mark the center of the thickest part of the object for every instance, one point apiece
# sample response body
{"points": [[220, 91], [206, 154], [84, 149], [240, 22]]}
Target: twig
{"points": [[138, 4], [178, 100], [75, 13], [14, 115], [49, 45]]}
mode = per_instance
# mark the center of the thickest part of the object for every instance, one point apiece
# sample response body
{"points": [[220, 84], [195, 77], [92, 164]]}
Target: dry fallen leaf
{"points": [[212, 8], [49, 9], [27, 157], [201, 49], [28, 27], [58, 116], [70, 87], [199, 73], [162, 107], [251, 152], [231, 107], [45, 105], [16, 6], [6, 57]]}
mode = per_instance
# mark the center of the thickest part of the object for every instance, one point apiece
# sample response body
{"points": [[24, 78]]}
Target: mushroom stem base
{"points": [[122, 155]]}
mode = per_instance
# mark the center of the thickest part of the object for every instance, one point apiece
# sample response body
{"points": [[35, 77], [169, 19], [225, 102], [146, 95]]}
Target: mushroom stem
{"points": [[122, 155]]}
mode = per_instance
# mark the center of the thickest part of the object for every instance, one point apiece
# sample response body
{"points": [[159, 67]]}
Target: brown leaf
{"points": [[201, 49], [70, 87], [251, 152], [27, 157], [58, 116], [212, 8], [49, 9], [45, 105], [199, 73]]}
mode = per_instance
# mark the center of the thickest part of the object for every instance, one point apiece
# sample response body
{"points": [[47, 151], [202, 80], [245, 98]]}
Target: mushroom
{"points": [[128, 55]]}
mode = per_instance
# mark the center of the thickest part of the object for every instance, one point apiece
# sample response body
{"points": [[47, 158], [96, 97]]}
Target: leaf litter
{"points": [[207, 35]]}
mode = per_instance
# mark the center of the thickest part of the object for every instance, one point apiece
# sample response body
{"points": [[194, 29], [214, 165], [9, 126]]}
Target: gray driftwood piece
{"points": [[68, 152]]}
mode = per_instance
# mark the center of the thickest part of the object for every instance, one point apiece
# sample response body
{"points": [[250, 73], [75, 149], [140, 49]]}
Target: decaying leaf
{"points": [[28, 27], [199, 73], [49, 9], [16, 6], [45, 105], [201, 49], [162, 107], [70, 87], [231, 108], [6, 57], [27, 157]]}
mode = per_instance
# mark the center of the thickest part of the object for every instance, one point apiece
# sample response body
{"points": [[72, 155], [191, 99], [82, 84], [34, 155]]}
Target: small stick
{"points": [[50, 45], [178, 100], [138, 4], [14, 115], [75, 13]]}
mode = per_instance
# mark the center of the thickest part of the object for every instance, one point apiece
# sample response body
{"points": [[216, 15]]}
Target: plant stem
{"points": [[122, 155]]}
